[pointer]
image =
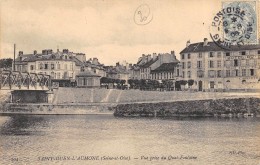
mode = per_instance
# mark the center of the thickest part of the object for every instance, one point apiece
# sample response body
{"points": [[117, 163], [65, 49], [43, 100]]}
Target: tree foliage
{"points": [[6, 63]]}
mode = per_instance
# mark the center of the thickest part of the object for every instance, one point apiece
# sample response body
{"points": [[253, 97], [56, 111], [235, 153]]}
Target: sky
{"points": [[106, 29]]}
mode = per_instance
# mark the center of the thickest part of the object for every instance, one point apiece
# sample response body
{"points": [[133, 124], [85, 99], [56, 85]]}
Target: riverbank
{"points": [[61, 109], [227, 107], [135, 103]]}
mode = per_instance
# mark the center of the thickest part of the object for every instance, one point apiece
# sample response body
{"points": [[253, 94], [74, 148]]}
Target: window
{"points": [[58, 75], [31, 67], [45, 66], [252, 72], [200, 55], [227, 73], [189, 65], [188, 56], [252, 62], [52, 66], [52, 74], [200, 74], [211, 54], [211, 64], [243, 62], [236, 72], [199, 64], [219, 73], [65, 66], [258, 52], [41, 65], [235, 62], [227, 54], [189, 74], [178, 72], [219, 63], [58, 66], [211, 84], [243, 72], [183, 65], [182, 56], [242, 53], [211, 73], [183, 74], [228, 63], [219, 55]]}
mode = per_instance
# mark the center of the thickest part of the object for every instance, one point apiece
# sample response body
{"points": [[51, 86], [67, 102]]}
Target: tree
{"points": [[6, 63], [178, 85], [190, 82]]}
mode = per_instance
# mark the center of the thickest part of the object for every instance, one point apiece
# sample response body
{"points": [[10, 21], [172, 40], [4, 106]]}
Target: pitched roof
{"points": [[166, 67], [87, 73], [211, 46], [40, 57], [149, 63]]}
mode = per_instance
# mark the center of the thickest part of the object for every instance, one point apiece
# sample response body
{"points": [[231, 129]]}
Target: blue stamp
{"points": [[235, 24]]}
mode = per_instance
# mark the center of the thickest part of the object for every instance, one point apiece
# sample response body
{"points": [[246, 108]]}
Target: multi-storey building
{"points": [[214, 68], [147, 63], [62, 66], [167, 71]]}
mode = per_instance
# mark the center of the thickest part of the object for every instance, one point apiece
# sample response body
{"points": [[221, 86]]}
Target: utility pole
{"points": [[14, 59]]}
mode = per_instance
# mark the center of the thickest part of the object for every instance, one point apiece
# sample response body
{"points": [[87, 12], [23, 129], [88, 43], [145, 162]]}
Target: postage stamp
{"points": [[235, 24]]}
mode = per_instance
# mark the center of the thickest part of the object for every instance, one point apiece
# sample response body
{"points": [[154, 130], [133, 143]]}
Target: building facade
{"points": [[62, 66], [216, 69]]}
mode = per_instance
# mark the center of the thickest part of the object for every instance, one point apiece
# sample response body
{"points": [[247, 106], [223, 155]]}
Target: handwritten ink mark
{"points": [[143, 15]]}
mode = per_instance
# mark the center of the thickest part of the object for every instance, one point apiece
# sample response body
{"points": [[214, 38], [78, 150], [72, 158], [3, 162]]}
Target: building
{"points": [[167, 71], [88, 79], [216, 69], [148, 63], [120, 71], [63, 66]]}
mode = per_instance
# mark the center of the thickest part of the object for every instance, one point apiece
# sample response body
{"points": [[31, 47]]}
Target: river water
{"points": [[105, 139]]}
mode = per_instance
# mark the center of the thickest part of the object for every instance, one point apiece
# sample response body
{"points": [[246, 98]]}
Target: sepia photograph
{"points": [[136, 82]]}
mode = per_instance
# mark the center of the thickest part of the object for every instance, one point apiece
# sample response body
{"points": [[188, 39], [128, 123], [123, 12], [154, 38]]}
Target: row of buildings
{"points": [[211, 67]]}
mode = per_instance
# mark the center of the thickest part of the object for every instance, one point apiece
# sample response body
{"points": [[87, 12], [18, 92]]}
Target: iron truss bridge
{"points": [[15, 80]]}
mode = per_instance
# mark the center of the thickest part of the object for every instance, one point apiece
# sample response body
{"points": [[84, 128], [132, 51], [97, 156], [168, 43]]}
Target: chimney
{"points": [[187, 43], [20, 53], [65, 51], [154, 56], [95, 61], [205, 42], [49, 51], [34, 52], [149, 57], [44, 52], [117, 64], [172, 52]]}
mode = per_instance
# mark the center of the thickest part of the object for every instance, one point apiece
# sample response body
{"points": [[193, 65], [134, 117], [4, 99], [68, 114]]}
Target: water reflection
{"points": [[23, 125]]}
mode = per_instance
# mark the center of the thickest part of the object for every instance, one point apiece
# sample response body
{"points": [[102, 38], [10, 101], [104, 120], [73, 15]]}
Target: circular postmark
{"points": [[235, 24], [143, 15]]}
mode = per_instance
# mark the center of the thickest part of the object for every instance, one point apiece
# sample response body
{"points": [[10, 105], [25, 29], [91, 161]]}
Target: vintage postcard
{"points": [[130, 82]]}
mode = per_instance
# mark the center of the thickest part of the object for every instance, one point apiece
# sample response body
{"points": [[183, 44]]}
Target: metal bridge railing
{"points": [[24, 80]]}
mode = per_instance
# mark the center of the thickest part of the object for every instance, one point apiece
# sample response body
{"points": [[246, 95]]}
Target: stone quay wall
{"points": [[211, 107]]}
